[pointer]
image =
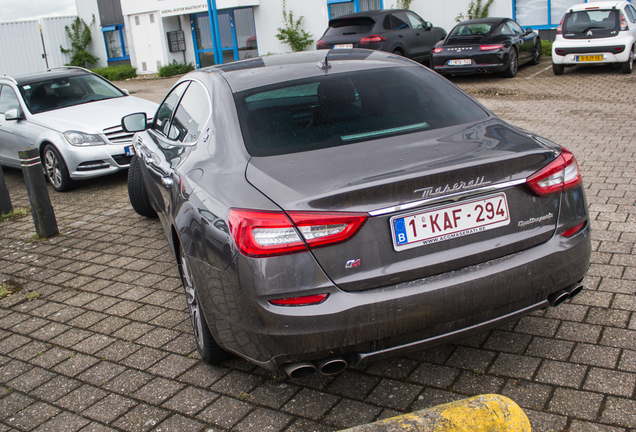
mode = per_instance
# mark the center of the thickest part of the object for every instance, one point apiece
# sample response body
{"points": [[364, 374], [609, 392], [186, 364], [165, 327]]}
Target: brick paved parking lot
{"points": [[104, 343]]}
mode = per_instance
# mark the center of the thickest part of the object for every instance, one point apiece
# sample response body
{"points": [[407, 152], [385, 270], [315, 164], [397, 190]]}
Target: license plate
{"points": [[589, 58], [449, 222], [460, 62], [343, 46], [129, 150]]}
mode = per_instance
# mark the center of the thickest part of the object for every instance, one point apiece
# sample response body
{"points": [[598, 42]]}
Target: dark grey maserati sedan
{"points": [[331, 208]]}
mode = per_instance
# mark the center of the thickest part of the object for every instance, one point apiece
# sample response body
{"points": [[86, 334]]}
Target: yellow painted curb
{"points": [[483, 413]]}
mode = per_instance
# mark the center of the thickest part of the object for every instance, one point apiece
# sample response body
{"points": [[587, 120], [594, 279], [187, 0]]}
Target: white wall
{"points": [[21, 48], [269, 18], [442, 14], [54, 35], [149, 41], [85, 10]]}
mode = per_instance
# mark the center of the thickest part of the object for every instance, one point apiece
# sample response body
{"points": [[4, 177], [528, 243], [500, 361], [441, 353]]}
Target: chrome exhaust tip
{"points": [[332, 366], [299, 370], [558, 297], [574, 290]]}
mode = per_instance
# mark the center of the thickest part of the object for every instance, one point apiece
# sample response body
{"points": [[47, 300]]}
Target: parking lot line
{"points": [[541, 71]]}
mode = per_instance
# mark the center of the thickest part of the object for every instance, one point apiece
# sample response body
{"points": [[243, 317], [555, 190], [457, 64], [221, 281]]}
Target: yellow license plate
{"points": [[589, 58]]}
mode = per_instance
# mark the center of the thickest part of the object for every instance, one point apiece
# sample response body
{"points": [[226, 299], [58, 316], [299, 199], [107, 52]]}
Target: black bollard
{"points": [[41, 208], [5, 198]]}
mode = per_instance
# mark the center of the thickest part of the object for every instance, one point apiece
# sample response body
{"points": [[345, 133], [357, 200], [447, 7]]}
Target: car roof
{"points": [[49, 74], [371, 14], [489, 20], [274, 69], [600, 5]]}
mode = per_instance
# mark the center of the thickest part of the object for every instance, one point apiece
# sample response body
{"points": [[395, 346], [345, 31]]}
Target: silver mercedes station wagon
{"points": [[73, 117], [331, 208]]}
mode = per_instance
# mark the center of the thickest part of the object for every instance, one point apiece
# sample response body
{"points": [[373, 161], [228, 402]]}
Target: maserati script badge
{"points": [[457, 187]]}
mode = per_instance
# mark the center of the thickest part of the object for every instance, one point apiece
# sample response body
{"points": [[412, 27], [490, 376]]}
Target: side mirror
{"points": [[134, 122], [14, 114], [126, 92], [429, 25], [529, 30]]}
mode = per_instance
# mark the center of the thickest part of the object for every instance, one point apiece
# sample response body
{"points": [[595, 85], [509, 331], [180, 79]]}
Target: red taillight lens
{"points": [[570, 232], [490, 47], [560, 27], [268, 233], [623, 23], [372, 39], [562, 174], [436, 50], [321, 44], [300, 301]]}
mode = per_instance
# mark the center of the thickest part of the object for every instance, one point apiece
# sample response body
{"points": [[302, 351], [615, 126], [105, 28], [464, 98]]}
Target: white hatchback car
{"points": [[593, 33], [73, 117]]}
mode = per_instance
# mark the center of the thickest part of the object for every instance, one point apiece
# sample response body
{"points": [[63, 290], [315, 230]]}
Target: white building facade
{"points": [[159, 32]]}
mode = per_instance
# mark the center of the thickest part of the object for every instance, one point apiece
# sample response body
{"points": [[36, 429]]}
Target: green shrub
{"points": [[116, 73], [546, 48], [175, 68]]}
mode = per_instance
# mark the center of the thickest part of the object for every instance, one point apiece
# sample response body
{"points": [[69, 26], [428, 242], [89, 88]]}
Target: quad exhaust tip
{"points": [[299, 370], [328, 367], [332, 366], [559, 297]]}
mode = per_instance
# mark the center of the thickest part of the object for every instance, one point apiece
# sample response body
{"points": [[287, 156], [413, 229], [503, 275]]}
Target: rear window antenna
{"points": [[324, 65]]}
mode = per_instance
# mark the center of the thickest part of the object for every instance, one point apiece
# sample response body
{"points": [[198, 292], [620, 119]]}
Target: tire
{"points": [[398, 51], [56, 170], [558, 69], [628, 66], [137, 190], [513, 64], [209, 350], [536, 59]]}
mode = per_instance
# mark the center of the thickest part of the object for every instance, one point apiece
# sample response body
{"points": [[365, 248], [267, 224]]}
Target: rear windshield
{"points": [[600, 21], [481, 29], [334, 110], [345, 26]]}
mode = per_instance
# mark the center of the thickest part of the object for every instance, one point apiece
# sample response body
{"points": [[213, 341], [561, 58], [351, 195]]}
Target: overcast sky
{"points": [[19, 10]]}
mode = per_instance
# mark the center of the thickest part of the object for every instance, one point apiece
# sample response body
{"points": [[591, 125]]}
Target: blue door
{"points": [[237, 32]]}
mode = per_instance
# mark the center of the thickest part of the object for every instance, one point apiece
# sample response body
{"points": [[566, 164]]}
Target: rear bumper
{"points": [[365, 325], [483, 62]]}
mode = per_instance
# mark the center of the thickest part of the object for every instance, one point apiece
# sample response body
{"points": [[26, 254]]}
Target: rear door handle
{"points": [[167, 181]]}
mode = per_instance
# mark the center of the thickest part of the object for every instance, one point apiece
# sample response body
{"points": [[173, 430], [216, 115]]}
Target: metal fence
{"points": [[32, 46]]}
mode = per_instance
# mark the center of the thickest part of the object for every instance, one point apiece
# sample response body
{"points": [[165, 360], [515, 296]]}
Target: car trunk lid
{"points": [[432, 171]]}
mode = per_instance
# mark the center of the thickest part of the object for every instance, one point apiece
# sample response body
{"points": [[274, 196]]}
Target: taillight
{"points": [[300, 301], [490, 47], [570, 232], [562, 174], [372, 39], [560, 27], [623, 23], [436, 50], [321, 44], [270, 233]]}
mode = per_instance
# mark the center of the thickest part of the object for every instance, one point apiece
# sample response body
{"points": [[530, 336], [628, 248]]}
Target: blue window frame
{"points": [[342, 7], [541, 14], [116, 43]]}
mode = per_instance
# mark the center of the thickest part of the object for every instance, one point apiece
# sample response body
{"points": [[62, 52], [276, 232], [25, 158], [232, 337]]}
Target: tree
{"points": [[475, 11], [297, 39], [403, 4], [80, 35]]}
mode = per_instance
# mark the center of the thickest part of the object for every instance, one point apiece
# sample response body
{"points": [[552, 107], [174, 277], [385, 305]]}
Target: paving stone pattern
{"points": [[107, 344]]}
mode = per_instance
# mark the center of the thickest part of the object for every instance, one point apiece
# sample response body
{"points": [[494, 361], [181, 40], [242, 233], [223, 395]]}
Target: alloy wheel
{"points": [[52, 167], [193, 303], [513, 61]]}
